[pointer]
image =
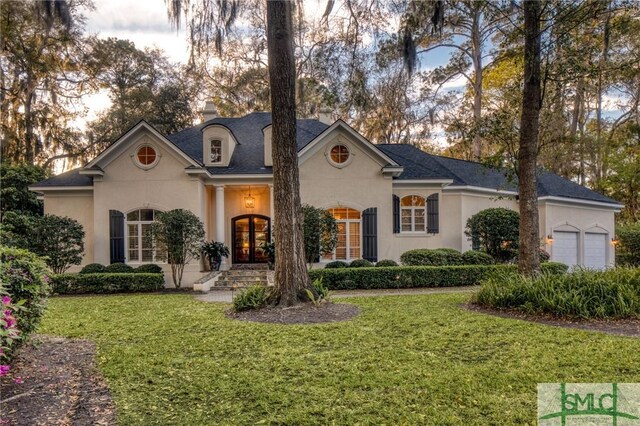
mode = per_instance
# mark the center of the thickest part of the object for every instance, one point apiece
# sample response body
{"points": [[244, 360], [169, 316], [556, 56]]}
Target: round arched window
{"points": [[339, 154], [146, 155]]}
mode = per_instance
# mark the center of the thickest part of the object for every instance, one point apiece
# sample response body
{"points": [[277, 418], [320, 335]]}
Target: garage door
{"points": [[595, 251], [565, 248]]}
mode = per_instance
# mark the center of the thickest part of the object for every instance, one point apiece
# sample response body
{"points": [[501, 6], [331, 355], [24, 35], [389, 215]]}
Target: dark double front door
{"points": [[250, 232]]}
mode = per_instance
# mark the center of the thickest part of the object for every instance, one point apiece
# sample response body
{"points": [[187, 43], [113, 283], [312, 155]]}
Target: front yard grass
{"points": [[169, 359]]}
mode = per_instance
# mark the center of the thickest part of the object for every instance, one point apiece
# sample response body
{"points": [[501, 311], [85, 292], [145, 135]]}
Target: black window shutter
{"points": [[396, 214], [370, 234], [116, 235], [433, 219]]}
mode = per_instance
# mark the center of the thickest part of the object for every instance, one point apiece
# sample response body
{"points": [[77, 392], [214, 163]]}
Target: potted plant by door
{"points": [[214, 251]]}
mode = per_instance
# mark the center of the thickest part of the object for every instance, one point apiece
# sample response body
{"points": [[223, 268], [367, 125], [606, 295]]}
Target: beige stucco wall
{"points": [[565, 216], [359, 185], [77, 205], [126, 187]]}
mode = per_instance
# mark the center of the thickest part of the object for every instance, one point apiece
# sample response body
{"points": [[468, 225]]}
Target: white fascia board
{"points": [[470, 188], [564, 200], [143, 124], [422, 182], [91, 172], [303, 153], [60, 188]]}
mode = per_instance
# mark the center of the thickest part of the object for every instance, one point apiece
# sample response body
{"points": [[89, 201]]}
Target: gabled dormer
{"points": [[268, 156], [218, 145]]}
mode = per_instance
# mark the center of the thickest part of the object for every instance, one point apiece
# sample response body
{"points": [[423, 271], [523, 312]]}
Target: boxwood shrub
{"points": [[93, 268], [118, 268], [386, 262], [431, 257], [414, 276], [336, 264], [106, 283], [614, 293], [148, 268], [476, 257], [360, 263]]}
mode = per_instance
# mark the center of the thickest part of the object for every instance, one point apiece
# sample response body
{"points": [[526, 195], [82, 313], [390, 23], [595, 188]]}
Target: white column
{"points": [[220, 222], [271, 209]]}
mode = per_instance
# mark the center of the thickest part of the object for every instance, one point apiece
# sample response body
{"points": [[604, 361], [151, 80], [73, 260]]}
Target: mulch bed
{"points": [[54, 381], [305, 313], [620, 327]]}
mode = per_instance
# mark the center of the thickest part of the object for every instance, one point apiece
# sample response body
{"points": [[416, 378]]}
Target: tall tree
{"points": [[528, 257], [209, 24]]}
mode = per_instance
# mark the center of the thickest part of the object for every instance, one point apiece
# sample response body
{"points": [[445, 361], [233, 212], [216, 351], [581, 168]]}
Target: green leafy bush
{"points": [[93, 268], [254, 297], [386, 262], [614, 293], [118, 268], [106, 283], [24, 277], [360, 263], [431, 257], [628, 252], [475, 257], [148, 268], [336, 264], [59, 240], [320, 231], [414, 276], [495, 231]]}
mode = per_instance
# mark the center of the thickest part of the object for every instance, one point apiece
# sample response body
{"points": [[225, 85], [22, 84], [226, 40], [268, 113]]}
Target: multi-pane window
{"points": [[339, 154], [349, 235], [412, 211], [140, 247], [215, 153], [146, 155]]}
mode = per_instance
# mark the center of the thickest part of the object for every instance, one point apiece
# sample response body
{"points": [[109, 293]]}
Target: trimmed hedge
{"points": [[149, 268], [386, 262], [336, 264], [431, 257], [415, 276], [614, 293], [93, 268], [476, 257], [106, 283], [360, 263], [118, 268]]}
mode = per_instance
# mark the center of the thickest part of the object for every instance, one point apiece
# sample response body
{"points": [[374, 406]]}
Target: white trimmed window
{"points": [[413, 214], [140, 248], [215, 151], [349, 235]]}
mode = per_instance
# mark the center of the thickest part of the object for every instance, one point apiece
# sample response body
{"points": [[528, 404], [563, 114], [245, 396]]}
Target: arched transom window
{"points": [[140, 248], [349, 235], [413, 211]]}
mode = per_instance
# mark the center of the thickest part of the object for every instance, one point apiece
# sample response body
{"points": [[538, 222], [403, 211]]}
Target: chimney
{"points": [[325, 115], [209, 112]]}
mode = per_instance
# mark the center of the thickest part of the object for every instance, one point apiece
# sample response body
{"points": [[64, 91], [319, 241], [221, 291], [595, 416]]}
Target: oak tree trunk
{"points": [[529, 259], [291, 273]]}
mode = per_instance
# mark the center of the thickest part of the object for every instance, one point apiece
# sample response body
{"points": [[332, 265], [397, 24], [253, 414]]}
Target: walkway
{"points": [[226, 295]]}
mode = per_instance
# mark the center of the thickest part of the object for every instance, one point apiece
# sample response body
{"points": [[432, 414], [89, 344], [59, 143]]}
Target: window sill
{"points": [[414, 235]]}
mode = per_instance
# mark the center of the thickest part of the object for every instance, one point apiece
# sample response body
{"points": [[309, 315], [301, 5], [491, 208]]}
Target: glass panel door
{"points": [[260, 237], [242, 240]]}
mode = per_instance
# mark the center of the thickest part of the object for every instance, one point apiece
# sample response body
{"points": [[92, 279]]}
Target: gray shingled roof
{"points": [[420, 165], [70, 178], [248, 158]]}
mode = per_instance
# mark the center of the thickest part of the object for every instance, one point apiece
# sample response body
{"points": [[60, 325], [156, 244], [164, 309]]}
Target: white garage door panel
{"points": [[595, 251], [565, 248]]}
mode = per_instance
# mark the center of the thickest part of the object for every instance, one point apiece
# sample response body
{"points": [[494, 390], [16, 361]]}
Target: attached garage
{"points": [[595, 250], [565, 248]]}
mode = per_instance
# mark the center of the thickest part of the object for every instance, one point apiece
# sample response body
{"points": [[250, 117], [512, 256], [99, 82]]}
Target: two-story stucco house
{"points": [[387, 199]]}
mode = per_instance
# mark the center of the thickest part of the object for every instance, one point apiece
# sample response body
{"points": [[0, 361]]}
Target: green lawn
{"points": [[418, 359]]}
